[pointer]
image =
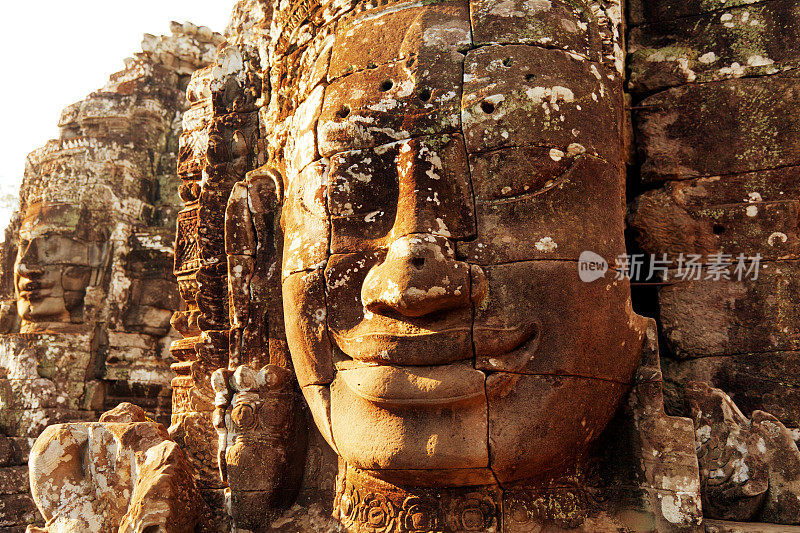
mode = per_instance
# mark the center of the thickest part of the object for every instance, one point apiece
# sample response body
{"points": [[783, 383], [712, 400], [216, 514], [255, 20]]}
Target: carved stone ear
{"points": [[253, 243], [268, 174], [260, 193]]}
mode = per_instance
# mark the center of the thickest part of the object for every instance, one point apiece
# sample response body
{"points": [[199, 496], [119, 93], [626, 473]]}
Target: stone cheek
{"points": [[554, 215], [551, 437], [308, 330], [533, 322], [305, 217]]}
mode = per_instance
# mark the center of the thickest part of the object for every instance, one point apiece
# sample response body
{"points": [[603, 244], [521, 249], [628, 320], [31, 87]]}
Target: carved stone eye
{"points": [[244, 416]]}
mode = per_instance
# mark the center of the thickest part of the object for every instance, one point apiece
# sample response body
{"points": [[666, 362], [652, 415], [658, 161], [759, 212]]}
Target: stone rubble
{"points": [[121, 474], [749, 467]]}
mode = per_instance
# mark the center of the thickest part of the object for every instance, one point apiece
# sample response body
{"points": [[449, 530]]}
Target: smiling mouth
{"points": [[389, 383], [422, 386], [433, 347], [33, 290]]}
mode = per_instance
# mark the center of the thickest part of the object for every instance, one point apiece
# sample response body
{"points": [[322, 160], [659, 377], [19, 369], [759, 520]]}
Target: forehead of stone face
{"points": [[564, 24], [64, 225], [376, 32], [517, 95], [373, 35], [398, 71]]}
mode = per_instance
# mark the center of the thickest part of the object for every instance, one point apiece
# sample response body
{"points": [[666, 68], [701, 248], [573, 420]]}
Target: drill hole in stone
{"points": [[418, 262], [425, 95], [487, 107], [507, 62], [719, 229], [343, 111], [530, 77], [386, 85]]}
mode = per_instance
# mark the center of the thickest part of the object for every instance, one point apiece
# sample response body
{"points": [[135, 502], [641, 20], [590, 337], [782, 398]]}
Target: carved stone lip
{"points": [[499, 341], [34, 295], [424, 348], [418, 386], [440, 347]]}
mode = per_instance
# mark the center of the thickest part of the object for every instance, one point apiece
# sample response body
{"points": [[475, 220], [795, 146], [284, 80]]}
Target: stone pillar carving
{"points": [[218, 147]]}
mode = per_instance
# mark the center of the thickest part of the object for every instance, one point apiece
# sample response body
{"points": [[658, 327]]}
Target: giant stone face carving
{"points": [[438, 194], [56, 259]]}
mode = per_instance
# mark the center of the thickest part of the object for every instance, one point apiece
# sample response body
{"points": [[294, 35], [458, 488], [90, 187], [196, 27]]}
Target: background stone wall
{"points": [[714, 88]]}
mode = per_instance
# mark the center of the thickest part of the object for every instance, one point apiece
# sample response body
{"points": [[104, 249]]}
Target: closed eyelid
{"points": [[531, 193], [542, 184]]}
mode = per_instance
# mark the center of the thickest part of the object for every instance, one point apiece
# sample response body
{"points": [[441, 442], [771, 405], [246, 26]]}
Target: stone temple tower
{"points": [[86, 278]]}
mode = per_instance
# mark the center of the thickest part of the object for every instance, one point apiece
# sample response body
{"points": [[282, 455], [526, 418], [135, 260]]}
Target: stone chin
{"points": [[441, 439], [42, 308], [455, 425]]}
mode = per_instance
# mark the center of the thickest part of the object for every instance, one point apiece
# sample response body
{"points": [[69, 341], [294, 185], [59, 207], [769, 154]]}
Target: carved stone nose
{"points": [[28, 264], [419, 276], [29, 269]]}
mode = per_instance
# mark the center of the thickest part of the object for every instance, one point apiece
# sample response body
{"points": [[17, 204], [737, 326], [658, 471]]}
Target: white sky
{"points": [[56, 52]]}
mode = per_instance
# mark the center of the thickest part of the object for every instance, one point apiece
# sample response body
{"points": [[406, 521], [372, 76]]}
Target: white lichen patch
{"points": [[775, 237], [552, 95], [735, 70], [759, 61], [575, 149], [707, 58], [546, 244]]}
